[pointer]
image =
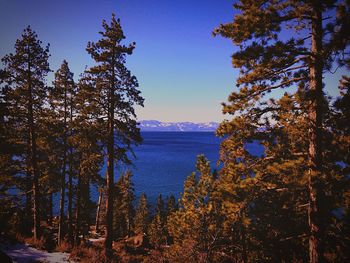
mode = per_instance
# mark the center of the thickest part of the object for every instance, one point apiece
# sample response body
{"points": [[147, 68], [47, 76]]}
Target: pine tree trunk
{"points": [[51, 208], [36, 207], [110, 185], [28, 193], [77, 215], [33, 157], [70, 182], [61, 222], [128, 226], [70, 205], [110, 169], [85, 208], [315, 143], [63, 175], [97, 225]]}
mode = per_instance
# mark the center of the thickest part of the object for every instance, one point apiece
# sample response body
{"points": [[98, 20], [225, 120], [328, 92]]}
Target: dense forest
{"points": [[290, 204]]}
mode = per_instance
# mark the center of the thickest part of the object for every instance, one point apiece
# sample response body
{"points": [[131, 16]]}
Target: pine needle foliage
{"points": [[284, 49]]}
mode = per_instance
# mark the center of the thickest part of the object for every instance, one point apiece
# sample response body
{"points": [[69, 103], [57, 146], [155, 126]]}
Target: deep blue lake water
{"points": [[165, 159]]}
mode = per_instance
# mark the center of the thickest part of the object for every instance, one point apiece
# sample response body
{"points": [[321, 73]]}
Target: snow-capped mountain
{"points": [[153, 125]]}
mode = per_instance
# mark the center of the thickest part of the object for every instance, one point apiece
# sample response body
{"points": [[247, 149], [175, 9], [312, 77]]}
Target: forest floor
{"points": [[22, 249], [23, 253]]}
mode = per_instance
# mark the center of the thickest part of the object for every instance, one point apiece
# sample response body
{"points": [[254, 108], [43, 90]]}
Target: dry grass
{"points": [[43, 243], [88, 254], [39, 243], [21, 238], [94, 253], [64, 246]]}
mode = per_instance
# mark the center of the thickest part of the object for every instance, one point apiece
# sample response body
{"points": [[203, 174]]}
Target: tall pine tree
{"points": [[26, 70], [158, 230], [288, 44], [196, 224], [142, 216], [87, 158], [116, 94], [123, 206], [61, 98]]}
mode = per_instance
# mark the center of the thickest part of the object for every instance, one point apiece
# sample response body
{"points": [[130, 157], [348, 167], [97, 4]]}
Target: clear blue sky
{"points": [[184, 72]]}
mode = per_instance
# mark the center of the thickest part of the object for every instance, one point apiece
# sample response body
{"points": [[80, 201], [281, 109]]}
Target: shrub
{"points": [[89, 254], [63, 247]]}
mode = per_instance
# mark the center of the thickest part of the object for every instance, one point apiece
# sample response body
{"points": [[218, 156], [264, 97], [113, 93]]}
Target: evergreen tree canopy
{"points": [[123, 206], [113, 94], [142, 216], [25, 94], [283, 44], [197, 220], [113, 82], [61, 100]]}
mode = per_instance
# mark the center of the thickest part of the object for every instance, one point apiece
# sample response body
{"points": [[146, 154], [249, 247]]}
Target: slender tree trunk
{"points": [[97, 225], [110, 185], [50, 208], [63, 190], [77, 213], [70, 180], [29, 188], [34, 170], [110, 169], [63, 175], [33, 156], [128, 226], [315, 143], [85, 201], [70, 204]]}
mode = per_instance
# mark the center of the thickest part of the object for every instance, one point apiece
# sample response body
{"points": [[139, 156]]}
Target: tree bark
{"points": [[63, 175], [34, 170], [97, 225], [33, 156], [70, 181], [110, 186], [50, 208], [77, 215], [110, 167], [63, 190], [29, 188], [315, 135]]}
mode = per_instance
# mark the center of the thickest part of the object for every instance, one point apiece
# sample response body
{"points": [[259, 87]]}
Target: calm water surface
{"points": [[165, 159]]}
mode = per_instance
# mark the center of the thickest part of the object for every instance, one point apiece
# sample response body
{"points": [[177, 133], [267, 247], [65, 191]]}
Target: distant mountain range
{"points": [[153, 125]]}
